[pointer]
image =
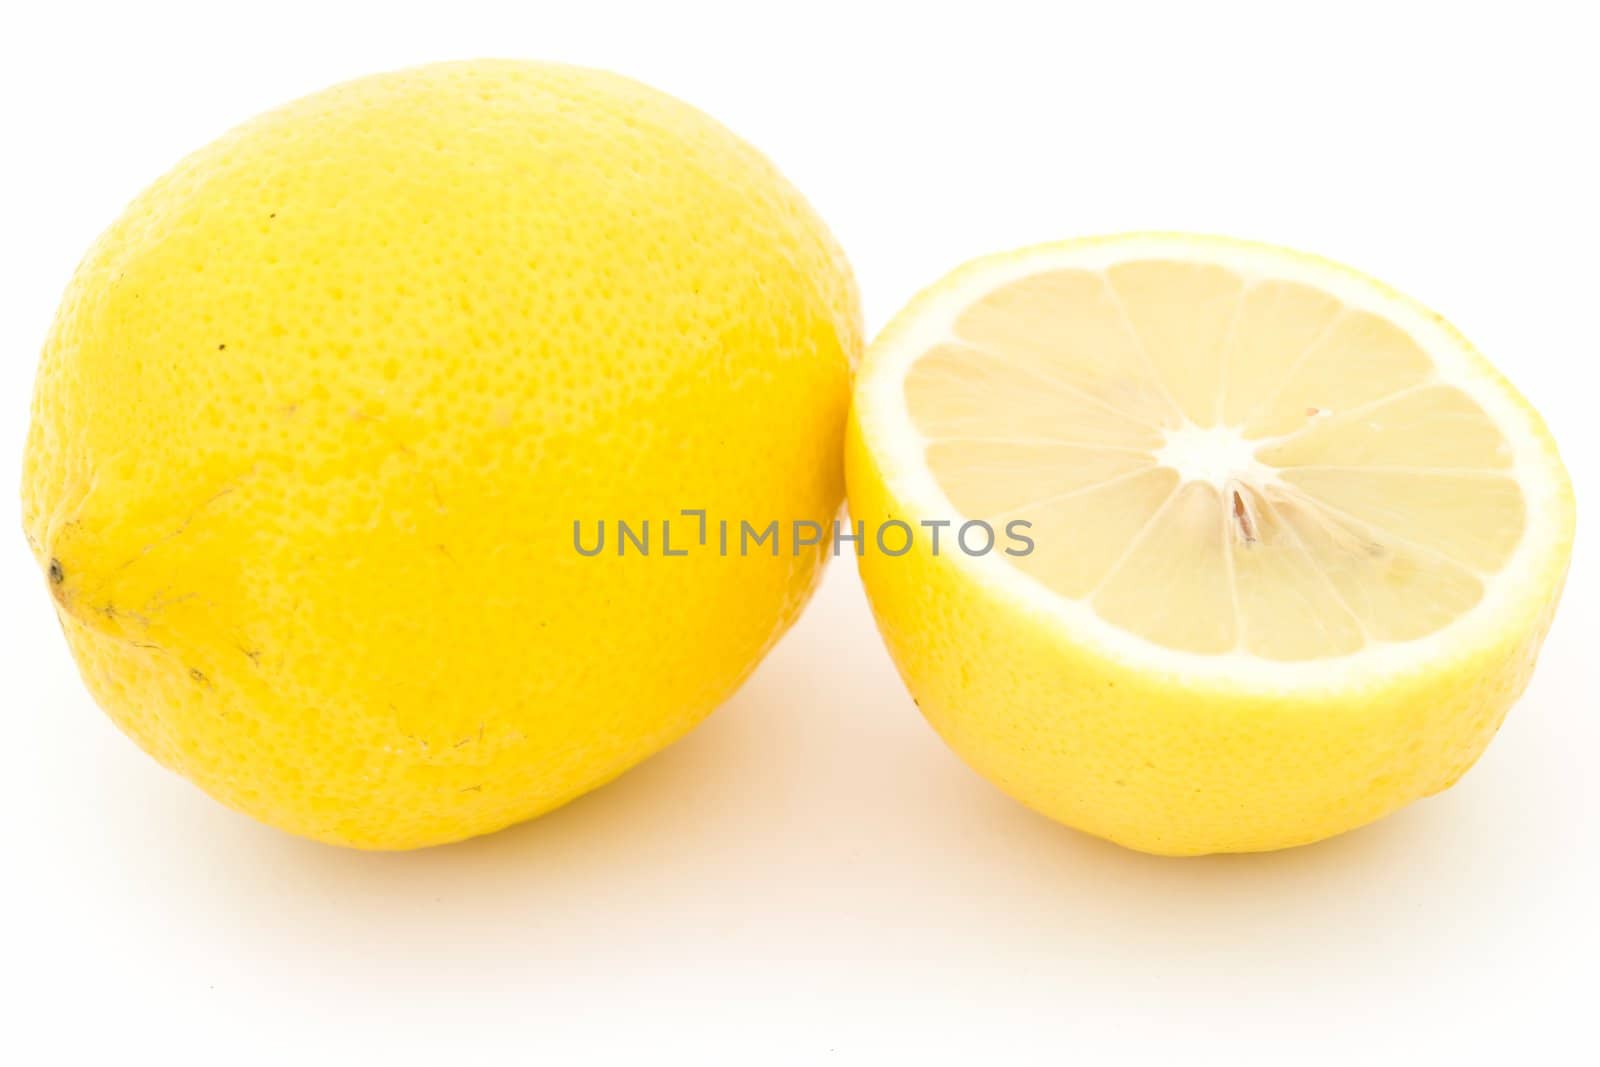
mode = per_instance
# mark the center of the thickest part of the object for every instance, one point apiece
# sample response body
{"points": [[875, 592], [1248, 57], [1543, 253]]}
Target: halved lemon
{"points": [[1275, 547]]}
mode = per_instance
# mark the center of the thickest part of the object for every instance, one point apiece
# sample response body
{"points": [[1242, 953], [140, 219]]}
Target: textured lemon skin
{"points": [[317, 415], [1174, 764]]}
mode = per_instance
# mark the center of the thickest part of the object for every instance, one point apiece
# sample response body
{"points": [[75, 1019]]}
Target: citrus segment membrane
{"points": [[1216, 462]]}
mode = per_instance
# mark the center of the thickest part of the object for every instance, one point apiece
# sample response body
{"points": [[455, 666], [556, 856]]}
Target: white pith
{"points": [[1217, 454]]}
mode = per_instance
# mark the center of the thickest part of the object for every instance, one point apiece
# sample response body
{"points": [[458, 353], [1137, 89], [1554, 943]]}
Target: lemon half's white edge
{"points": [[1516, 595]]}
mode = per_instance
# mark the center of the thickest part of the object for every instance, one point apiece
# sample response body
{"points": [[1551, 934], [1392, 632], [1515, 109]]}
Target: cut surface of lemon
{"points": [[1245, 475]]}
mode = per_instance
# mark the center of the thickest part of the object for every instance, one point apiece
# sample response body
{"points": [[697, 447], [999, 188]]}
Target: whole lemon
{"points": [[323, 415]]}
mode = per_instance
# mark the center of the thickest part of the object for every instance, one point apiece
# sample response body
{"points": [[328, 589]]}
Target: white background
{"points": [[811, 876]]}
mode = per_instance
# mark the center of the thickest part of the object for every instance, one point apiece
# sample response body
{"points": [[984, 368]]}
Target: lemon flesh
{"points": [[319, 412], [1294, 543]]}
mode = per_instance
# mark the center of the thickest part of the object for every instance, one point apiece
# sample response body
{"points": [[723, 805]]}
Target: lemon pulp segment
{"points": [[1218, 462]]}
